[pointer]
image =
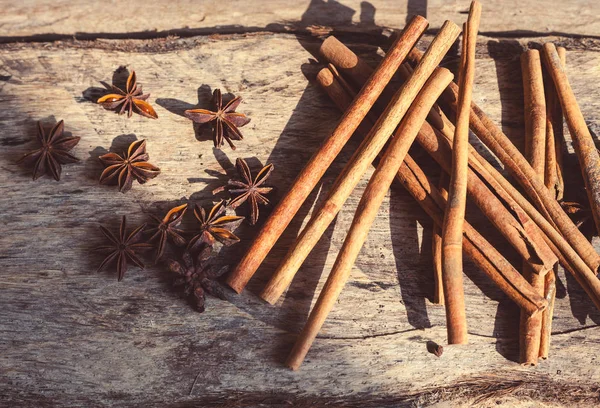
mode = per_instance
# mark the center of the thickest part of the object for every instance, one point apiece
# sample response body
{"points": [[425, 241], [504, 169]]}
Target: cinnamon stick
{"points": [[367, 210], [554, 136], [487, 131], [436, 247], [555, 182], [359, 163], [585, 148], [456, 320], [535, 145], [433, 201], [535, 110], [321, 160], [353, 67], [547, 314]]}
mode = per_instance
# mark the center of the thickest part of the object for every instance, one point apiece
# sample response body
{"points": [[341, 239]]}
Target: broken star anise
{"points": [[124, 169], [132, 99], [53, 153], [215, 226], [225, 121], [123, 247], [198, 277], [166, 229], [249, 188]]}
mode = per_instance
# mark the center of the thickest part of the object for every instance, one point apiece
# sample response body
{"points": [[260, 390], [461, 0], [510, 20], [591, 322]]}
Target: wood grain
{"points": [[139, 19], [74, 337]]}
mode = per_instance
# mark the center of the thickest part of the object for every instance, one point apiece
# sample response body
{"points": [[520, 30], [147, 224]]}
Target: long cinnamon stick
{"points": [[436, 247], [454, 218], [555, 182], [433, 201], [535, 110], [535, 145], [321, 160], [587, 153], [487, 131], [359, 163], [510, 220], [367, 210]]}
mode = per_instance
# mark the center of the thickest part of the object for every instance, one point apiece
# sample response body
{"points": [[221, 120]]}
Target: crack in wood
{"points": [[276, 28]]}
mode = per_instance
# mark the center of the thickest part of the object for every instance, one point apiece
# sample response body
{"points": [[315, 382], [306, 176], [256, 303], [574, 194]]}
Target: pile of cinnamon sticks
{"points": [[534, 223]]}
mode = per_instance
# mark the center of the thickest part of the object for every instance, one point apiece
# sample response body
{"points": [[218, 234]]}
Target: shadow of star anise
{"points": [[130, 100], [124, 169], [166, 229], [250, 189], [198, 277], [214, 226], [53, 153], [225, 121], [123, 247]]}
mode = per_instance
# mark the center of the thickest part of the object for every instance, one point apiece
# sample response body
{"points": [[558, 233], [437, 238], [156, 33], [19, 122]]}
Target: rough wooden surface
{"points": [[73, 337], [142, 19]]}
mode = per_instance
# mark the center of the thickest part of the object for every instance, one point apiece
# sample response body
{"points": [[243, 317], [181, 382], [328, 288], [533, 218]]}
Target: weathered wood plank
{"points": [[139, 18], [79, 337]]}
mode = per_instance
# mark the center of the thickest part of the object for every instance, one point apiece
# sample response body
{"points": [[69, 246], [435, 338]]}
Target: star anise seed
{"points": [[53, 153], [132, 99], [123, 247], [124, 169], [198, 277], [166, 229], [215, 226], [249, 188], [225, 121]]}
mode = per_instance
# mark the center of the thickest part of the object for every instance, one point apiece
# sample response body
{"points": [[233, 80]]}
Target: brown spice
{"points": [[198, 277], [123, 247], [535, 145], [166, 229], [249, 188], [129, 100], [225, 120], [214, 226], [583, 143], [132, 165], [454, 217], [53, 153]]}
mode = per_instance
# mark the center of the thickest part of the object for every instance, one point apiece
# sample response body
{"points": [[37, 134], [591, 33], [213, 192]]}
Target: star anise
{"points": [[166, 229], [215, 226], [123, 247], [132, 99], [225, 121], [124, 169], [53, 153], [198, 277], [249, 188]]}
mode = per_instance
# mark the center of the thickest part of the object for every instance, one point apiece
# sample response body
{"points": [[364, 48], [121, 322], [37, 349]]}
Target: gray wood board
{"points": [[77, 337], [39, 20]]}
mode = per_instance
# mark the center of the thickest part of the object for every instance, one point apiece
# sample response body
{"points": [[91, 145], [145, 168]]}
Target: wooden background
{"points": [[72, 337]]}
